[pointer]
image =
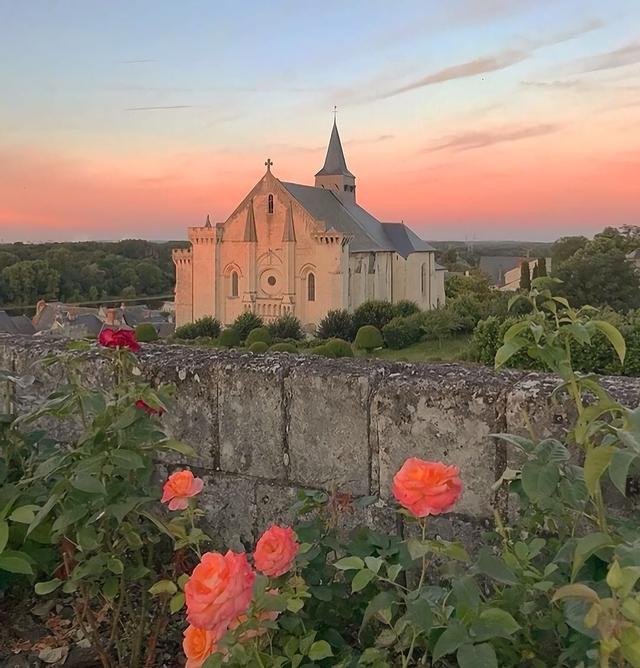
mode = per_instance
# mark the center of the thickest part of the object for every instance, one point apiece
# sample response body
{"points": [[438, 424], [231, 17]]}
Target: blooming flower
{"points": [[219, 590], [180, 486], [143, 405], [118, 338], [427, 488], [198, 645], [276, 551]]}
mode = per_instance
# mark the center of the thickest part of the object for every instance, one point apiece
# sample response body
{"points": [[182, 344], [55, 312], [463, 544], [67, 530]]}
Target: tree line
{"points": [[85, 271]]}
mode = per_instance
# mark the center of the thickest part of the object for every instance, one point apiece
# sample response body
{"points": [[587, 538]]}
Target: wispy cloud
{"points": [[481, 139], [556, 85], [625, 55], [167, 108]]}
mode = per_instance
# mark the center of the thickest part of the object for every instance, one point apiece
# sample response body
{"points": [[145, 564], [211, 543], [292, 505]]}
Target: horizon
{"points": [[480, 121]]}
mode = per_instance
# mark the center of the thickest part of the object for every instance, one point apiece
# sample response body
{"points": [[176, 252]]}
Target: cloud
{"points": [[571, 33], [557, 85], [167, 108], [625, 55], [480, 139]]}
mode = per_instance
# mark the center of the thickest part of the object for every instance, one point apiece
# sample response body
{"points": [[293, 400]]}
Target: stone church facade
{"points": [[291, 248]]}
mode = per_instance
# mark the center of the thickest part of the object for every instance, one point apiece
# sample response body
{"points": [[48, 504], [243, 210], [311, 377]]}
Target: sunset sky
{"points": [[493, 119]]}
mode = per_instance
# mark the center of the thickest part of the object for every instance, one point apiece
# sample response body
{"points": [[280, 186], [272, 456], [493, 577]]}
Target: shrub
{"points": [[339, 348], [404, 308], [230, 338], [323, 350], [376, 313], [283, 348], [245, 322], [439, 323], [287, 326], [402, 332], [261, 334], [146, 332], [207, 326], [468, 310], [338, 323], [258, 347], [368, 338]]}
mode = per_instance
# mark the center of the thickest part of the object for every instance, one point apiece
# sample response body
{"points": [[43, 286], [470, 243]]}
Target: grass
{"points": [[451, 350]]}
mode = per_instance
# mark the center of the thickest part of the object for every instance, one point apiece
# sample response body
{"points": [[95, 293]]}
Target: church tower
{"points": [[334, 175]]}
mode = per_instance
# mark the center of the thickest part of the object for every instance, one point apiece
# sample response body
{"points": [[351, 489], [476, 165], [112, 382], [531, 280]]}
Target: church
{"points": [[292, 248]]}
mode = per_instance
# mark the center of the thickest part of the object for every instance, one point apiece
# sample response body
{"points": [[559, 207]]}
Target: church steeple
{"points": [[250, 225], [335, 175], [289, 232]]}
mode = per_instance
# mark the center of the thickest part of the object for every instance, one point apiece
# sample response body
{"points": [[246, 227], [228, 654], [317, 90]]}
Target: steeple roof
{"points": [[289, 232], [250, 226], [334, 163]]}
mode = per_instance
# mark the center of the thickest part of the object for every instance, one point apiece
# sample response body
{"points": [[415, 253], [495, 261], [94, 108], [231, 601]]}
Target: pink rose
{"points": [[180, 486], [118, 338], [275, 551], [198, 646]]}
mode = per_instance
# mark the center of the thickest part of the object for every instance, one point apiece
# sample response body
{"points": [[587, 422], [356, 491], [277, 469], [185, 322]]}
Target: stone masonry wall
{"points": [[264, 426]]}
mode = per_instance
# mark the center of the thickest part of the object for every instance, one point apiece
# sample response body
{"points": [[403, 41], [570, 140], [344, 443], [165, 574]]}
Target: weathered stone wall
{"points": [[264, 426]]}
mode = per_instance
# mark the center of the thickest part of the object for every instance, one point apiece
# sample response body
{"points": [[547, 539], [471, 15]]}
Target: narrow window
{"points": [[270, 205], [423, 280], [234, 284], [311, 287]]}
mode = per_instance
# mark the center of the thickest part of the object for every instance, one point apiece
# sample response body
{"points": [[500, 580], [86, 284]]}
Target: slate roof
{"points": [[6, 323], [23, 324], [368, 233], [334, 162], [90, 322], [495, 266]]}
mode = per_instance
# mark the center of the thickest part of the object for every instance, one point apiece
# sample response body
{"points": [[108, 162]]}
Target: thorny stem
{"points": [[257, 654], [94, 634], [406, 660], [160, 624]]}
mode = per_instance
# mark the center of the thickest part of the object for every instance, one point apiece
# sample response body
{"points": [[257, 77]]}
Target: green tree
{"points": [[525, 276], [564, 248], [541, 266], [474, 284], [26, 282]]}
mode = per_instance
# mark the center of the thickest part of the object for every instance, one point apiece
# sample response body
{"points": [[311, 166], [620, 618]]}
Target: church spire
{"points": [[208, 222], [250, 226], [334, 162], [289, 232]]}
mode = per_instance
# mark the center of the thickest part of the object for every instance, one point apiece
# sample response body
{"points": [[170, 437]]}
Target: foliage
{"points": [[229, 338], [564, 248], [261, 334], [286, 326], [525, 276], [258, 347], [322, 350], [368, 338], [146, 332], [337, 323], [474, 284], [541, 266], [440, 323], [404, 308], [204, 327], [338, 348], [245, 322], [373, 312], [283, 347], [403, 332]]}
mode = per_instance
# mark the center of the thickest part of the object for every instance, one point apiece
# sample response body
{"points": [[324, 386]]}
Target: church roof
{"points": [[367, 232], [334, 163]]}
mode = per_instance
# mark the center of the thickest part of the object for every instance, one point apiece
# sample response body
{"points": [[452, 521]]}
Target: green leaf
{"points": [[24, 514], [361, 580], [419, 612], [115, 565], [379, 602], [176, 603], [539, 481], [525, 444], [349, 564], [4, 535], [43, 512], [493, 623], [43, 588], [587, 546], [177, 446], [477, 656], [495, 568], [579, 591], [110, 587], [320, 650], [615, 338], [418, 548], [373, 563], [516, 329], [127, 459], [454, 636], [88, 484], [596, 463], [15, 562], [163, 587], [69, 517], [619, 469], [508, 350]]}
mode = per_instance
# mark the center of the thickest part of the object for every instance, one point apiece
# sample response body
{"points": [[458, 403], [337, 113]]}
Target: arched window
{"points": [[311, 287], [423, 278], [234, 284], [270, 204]]}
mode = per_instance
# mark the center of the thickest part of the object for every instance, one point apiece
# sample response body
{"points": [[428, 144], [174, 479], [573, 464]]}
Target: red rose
{"points": [[143, 405], [119, 338]]}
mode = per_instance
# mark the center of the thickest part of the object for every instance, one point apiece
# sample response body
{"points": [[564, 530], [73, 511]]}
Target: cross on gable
{"points": [[268, 164]]}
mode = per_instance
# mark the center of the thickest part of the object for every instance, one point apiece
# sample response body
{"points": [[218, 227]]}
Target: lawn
{"points": [[451, 350]]}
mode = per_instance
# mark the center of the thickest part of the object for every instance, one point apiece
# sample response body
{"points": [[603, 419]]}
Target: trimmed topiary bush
{"points": [[258, 347], [261, 334], [339, 348], [287, 326], [230, 338], [323, 350], [146, 332], [404, 308], [368, 338], [283, 348], [402, 332], [208, 327], [338, 323], [376, 313], [245, 322]]}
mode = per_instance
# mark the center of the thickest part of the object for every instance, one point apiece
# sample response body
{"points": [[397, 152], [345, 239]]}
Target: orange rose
{"points": [[275, 551], [219, 590], [179, 487], [427, 488], [198, 645]]}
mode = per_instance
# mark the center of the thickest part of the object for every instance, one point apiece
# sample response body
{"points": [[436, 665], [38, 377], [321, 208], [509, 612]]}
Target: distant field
{"points": [[451, 350]]}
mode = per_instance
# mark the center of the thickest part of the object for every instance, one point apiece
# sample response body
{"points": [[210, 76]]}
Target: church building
{"points": [[292, 248]]}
